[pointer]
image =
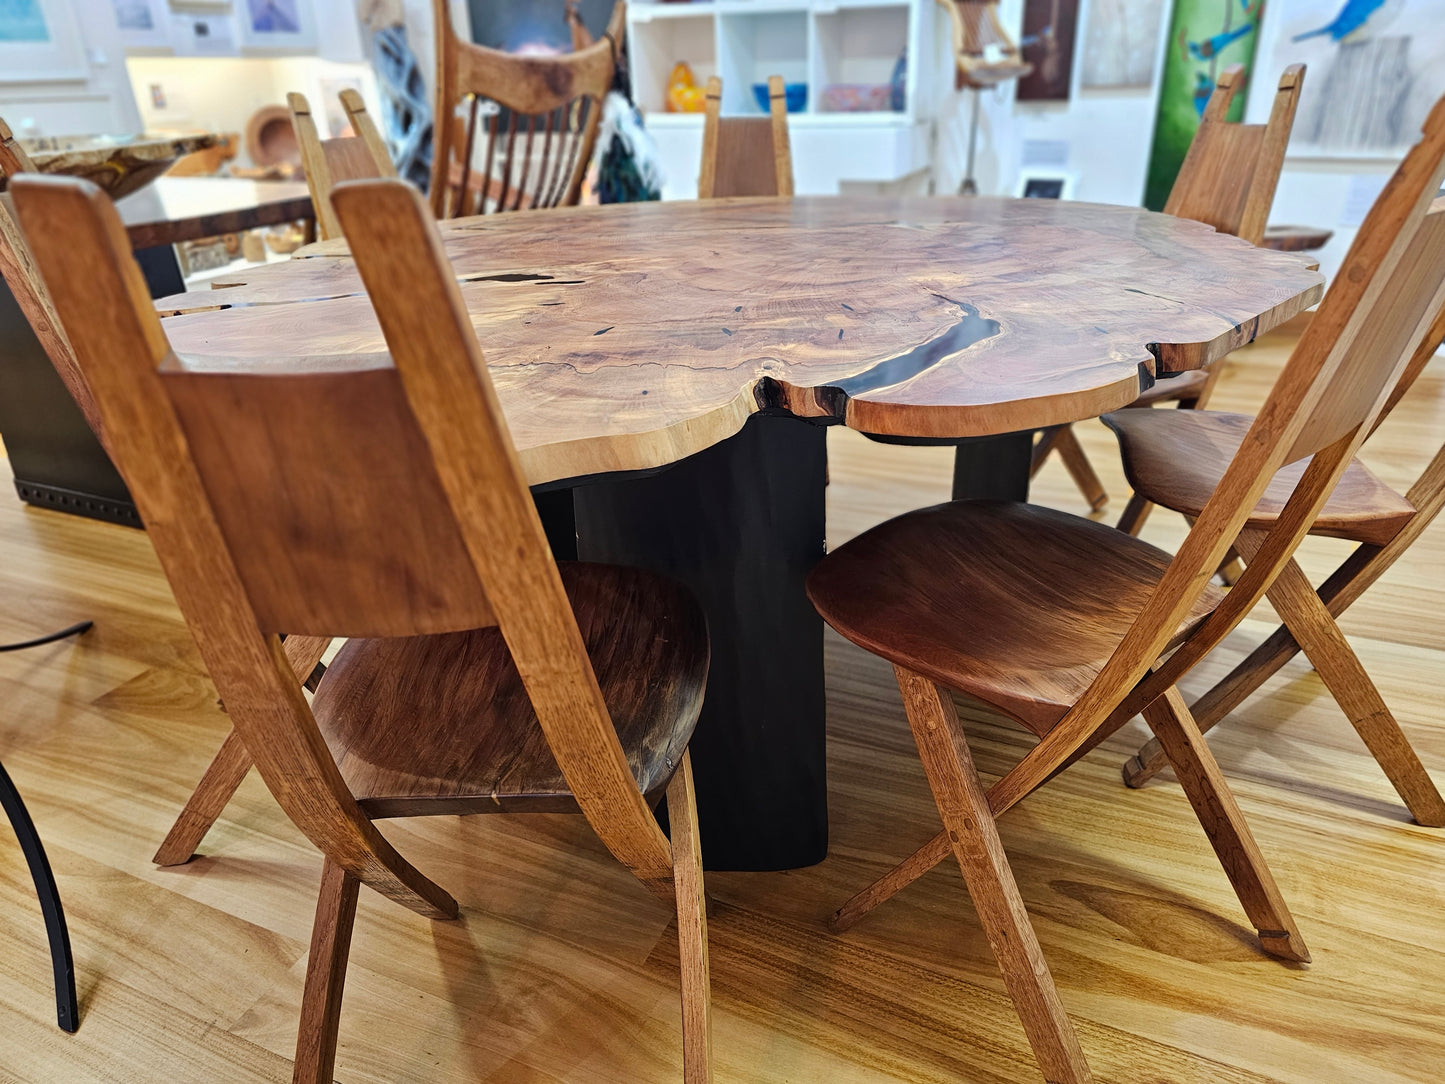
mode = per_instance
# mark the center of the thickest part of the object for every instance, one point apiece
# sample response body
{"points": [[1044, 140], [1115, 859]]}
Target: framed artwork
{"points": [[1045, 184], [1121, 44], [144, 24], [39, 41], [1047, 42], [1205, 37], [1373, 70], [282, 26]]}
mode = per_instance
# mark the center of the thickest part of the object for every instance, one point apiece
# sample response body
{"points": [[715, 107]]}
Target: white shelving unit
{"points": [[819, 43]]}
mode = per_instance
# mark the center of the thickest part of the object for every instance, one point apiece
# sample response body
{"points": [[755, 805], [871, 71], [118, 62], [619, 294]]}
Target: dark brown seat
{"points": [[1184, 388], [1177, 459], [427, 725], [1016, 605]]}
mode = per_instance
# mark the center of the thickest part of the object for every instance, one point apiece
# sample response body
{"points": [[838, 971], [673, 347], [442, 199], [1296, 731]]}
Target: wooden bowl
{"points": [[118, 164]]}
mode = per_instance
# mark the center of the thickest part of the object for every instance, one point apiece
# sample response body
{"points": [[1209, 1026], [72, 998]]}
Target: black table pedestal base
{"points": [[741, 524]]}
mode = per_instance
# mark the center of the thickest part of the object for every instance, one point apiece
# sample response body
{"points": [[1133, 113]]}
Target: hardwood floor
{"points": [[563, 968]]}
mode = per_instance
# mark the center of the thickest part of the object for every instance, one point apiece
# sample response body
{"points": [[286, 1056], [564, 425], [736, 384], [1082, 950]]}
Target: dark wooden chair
{"points": [[1228, 181], [540, 122], [745, 156], [1173, 462], [479, 675], [328, 162], [1072, 628]]}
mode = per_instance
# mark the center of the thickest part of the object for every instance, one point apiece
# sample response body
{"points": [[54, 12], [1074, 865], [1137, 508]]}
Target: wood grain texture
{"points": [[1015, 605], [560, 970], [1177, 458], [745, 156], [627, 337], [429, 725], [328, 162], [119, 167], [325, 976], [697, 1057]]}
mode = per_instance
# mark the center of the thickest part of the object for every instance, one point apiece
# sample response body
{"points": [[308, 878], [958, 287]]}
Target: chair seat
{"points": [[1189, 384], [1013, 604], [1176, 459], [442, 724]]}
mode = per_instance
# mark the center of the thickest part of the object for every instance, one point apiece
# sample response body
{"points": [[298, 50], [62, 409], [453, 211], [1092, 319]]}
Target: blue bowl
{"points": [[794, 94]]}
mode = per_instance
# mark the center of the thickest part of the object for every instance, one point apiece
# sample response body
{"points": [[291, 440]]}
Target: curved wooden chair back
{"points": [[18, 269], [746, 156], [328, 162], [230, 474], [1325, 402], [1231, 171], [984, 55], [532, 144]]}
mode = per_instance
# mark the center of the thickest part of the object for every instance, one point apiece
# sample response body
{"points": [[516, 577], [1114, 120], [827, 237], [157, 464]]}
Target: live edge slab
{"points": [[704, 337]]}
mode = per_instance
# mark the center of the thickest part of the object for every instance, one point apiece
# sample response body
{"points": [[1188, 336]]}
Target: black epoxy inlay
{"points": [[971, 328]]}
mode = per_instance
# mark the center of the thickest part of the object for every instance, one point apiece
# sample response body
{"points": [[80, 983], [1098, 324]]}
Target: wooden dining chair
{"points": [[513, 132], [1227, 181], [1071, 628], [328, 162], [479, 674], [745, 156], [1174, 465]]}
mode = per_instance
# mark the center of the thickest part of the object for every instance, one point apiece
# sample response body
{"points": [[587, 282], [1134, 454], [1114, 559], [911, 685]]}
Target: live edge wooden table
{"points": [[672, 367]]}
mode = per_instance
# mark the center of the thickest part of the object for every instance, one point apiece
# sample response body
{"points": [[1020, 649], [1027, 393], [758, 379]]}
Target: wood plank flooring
{"points": [[563, 969]]}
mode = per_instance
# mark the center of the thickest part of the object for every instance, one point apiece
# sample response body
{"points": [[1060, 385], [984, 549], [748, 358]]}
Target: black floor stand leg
{"points": [[993, 468], [66, 1007]]}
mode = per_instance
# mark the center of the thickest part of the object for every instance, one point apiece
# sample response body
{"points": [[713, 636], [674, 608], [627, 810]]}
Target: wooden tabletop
{"points": [[627, 337], [174, 209]]}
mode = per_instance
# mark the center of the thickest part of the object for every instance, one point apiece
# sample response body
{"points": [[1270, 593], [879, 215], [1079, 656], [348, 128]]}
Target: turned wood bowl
{"points": [[119, 164]]}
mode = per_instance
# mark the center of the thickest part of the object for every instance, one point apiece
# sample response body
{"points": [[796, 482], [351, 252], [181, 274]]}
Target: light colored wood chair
{"points": [[745, 156], [1175, 465], [537, 146], [480, 676], [1072, 628], [328, 162], [1228, 181], [983, 53]]}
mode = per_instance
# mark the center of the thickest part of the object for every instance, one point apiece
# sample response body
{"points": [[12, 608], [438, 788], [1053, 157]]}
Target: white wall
{"points": [[101, 102], [1108, 135]]}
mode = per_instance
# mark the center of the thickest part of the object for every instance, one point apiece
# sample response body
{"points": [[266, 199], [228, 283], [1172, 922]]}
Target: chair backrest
{"points": [[746, 156], [1231, 171], [18, 270], [537, 146], [984, 55], [328, 162], [229, 472], [1379, 308]]}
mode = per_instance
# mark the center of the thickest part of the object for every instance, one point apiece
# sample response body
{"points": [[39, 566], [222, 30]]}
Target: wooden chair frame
{"points": [[565, 91], [1324, 404], [975, 25], [731, 162], [1210, 190], [327, 162], [101, 299], [1310, 618]]}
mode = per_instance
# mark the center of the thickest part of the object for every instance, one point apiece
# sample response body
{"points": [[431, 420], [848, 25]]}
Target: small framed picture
{"points": [[1045, 184], [40, 41], [278, 26], [144, 24]]}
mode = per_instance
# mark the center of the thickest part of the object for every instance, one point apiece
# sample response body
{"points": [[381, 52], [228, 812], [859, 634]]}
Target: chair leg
{"points": [[325, 976], [1044, 447], [1135, 513], [1072, 453], [227, 770], [1309, 620], [891, 883], [963, 806], [67, 1009], [1225, 826], [691, 927]]}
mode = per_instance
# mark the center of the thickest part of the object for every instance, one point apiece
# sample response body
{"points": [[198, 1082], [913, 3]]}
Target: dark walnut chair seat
{"points": [[429, 725], [1177, 460], [1014, 604]]}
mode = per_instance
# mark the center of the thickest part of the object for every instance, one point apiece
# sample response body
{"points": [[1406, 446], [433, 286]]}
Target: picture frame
{"points": [[276, 26], [143, 24], [1046, 184], [40, 42]]}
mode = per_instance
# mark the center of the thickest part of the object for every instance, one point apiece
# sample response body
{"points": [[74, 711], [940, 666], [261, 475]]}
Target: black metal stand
{"points": [[67, 1008]]}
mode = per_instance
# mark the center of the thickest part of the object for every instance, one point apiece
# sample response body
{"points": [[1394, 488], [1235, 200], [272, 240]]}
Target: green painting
{"points": [[1205, 37]]}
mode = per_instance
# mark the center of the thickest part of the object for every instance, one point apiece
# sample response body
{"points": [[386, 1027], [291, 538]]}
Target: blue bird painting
{"points": [[1213, 46], [1354, 20]]}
